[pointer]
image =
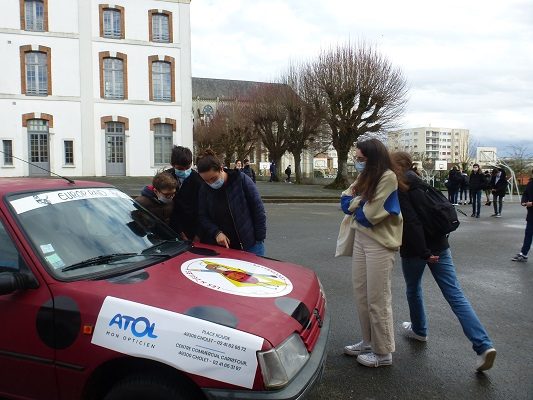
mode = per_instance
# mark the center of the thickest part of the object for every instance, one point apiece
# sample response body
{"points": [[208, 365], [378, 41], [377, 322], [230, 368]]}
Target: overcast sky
{"points": [[468, 63]]}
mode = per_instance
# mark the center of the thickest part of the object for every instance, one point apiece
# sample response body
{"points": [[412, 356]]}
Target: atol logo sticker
{"points": [[139, 326], [237, 277]]}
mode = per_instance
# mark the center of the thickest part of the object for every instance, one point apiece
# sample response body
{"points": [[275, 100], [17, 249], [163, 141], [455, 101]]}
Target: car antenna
{"points": [[34, 165]]}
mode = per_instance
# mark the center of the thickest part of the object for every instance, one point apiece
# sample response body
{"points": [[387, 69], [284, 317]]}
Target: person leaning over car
{"points": [[158, 197], [231, 212], [184, 219]]}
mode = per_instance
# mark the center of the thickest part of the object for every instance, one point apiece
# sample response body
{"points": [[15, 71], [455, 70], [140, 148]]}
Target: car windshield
{"points": [[92, 232]]}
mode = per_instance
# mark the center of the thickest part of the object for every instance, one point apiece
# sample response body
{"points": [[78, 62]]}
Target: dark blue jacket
{"points": [[246, 207], [528, 196]]}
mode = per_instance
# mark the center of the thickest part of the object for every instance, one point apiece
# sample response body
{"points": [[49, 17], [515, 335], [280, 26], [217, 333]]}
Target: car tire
{"points": [[142, 387]]}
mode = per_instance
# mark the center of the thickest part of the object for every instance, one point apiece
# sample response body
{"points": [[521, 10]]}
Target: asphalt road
{"points": [[443, 368]]}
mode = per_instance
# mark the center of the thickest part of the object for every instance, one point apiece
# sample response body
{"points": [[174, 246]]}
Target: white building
{"points": [[446, 144], [93, 89]]}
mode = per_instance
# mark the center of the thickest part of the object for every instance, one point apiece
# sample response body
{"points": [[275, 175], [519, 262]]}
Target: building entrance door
{"points": [[39, 147], [115, 149]]}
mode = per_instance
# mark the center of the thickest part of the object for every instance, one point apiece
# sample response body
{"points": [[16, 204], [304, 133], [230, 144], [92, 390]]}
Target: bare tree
{"points": [[362, 93], [303, 114], [270, 120], [229, 133], [465, 157], [519, 159]]}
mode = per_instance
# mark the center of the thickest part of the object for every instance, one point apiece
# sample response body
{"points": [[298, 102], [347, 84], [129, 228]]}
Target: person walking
{"points": [[273, 172], [498, 187], [419, 250], [464, 188], [288, 172], [527, 201], [453, 184], [373, 201], [231, 212], [248, 170], [477, 183], [184, 218]]}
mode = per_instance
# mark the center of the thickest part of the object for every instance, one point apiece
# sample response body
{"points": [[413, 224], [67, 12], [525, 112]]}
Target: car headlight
{"points": [[280, 364]]}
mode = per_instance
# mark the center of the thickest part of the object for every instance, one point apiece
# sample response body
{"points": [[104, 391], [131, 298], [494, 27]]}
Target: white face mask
{"points": [[163, 199]]}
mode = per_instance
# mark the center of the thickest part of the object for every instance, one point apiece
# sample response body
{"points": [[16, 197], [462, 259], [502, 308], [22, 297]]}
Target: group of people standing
{"points": [[212, 204], [381, 201], [494, 184]]}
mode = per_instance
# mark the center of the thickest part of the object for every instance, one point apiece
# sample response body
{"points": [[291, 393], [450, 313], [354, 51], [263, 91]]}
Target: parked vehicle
{"points": [[101, 300]]}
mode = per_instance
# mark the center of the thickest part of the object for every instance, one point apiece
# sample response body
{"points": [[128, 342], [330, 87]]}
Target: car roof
{"points": [[23, 184]]}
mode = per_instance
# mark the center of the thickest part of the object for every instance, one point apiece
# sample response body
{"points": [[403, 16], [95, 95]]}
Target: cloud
{"points": [[468, 64]]}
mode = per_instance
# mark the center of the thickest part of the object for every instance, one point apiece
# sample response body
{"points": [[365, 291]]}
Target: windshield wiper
{"points": [[184, 246], [98, 260]]}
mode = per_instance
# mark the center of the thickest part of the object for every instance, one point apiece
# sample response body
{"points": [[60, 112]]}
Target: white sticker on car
{"points": [[35, 201], [47, 248], [238, 277], [189, 344]]}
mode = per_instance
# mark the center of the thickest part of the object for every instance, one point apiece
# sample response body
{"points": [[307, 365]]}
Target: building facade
{"points": [[93, 89], [445, 144], [209, 94]]}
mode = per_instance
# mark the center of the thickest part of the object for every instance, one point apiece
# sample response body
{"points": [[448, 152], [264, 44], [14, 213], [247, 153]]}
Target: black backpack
{"points": [[437, 214]]}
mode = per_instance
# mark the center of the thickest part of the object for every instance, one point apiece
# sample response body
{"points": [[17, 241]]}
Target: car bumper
{"points": [[297, 389]]}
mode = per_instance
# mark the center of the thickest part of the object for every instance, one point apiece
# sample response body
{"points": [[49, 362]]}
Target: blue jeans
{"points": [[258, 248], [497, 201], [527, 238], [444, 274], [476, 202]]}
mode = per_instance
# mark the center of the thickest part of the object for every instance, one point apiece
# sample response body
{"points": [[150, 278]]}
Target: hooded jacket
{"points": [[245, 206]]}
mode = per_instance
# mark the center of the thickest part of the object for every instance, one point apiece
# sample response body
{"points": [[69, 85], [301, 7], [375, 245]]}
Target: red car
{"points": [[100, 300]]}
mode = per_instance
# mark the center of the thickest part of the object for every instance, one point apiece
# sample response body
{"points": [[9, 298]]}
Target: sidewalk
{"points": [[271, 192]]}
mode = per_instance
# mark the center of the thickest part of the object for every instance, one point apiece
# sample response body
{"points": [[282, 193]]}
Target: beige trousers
{"points": [[371, 274]]}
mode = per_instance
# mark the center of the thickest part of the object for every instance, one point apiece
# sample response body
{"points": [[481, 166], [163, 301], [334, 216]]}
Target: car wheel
{"points": [[142, 387]]}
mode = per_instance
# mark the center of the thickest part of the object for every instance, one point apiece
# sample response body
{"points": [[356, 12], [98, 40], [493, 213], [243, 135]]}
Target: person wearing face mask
{"points": [[184, 219], [373, 201], [477, 183], [158, 197], [231, 212]]}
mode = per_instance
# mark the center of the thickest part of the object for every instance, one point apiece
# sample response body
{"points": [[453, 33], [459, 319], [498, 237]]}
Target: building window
{"points": [[34, 15], [69, 152], [111, 21], [36, 73], [160, 26], [161, 81], [113, 78], [7, 146], [162, 144]]}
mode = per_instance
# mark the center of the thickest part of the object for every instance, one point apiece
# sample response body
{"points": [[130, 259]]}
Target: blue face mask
{"points": [[217, 184], [182, 174], [360, 166]]}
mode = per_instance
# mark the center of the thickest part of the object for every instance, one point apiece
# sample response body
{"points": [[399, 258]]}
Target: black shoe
{"points": [[473, 215], [488, 203], [477, 216]]}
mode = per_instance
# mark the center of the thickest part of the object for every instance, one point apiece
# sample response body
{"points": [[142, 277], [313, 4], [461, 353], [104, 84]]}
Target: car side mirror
{"points": [[13, 281]]}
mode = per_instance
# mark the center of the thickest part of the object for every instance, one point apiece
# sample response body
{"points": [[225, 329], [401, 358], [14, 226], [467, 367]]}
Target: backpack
{"points": [[437, 214]]}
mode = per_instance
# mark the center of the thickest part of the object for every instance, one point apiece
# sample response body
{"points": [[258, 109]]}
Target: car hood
{"points": [[261, 296]]}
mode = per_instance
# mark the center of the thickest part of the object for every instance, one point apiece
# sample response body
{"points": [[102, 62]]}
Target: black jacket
{"points": [[184, 218], [245, 206], [499, 188], [249, 171], [528, 196], [477, 181], [415, 242]]}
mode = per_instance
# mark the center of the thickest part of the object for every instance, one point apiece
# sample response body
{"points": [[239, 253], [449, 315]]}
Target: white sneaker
{"points": [[374, 360], [407, 330], [358, 348], [486, 360]]}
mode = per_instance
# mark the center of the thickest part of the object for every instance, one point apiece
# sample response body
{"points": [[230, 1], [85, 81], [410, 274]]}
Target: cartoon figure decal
{"points": [[237, 277]]}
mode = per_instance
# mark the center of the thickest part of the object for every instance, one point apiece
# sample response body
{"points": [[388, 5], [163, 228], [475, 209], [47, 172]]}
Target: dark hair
{"points": [[181, 156], [475, 165], [164, 180], [208, 161], [246, 160], [378, 161]]}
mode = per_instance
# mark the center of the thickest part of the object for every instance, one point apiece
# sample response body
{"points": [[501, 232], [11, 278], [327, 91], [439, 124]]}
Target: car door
{"points": [[26, 349]]}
